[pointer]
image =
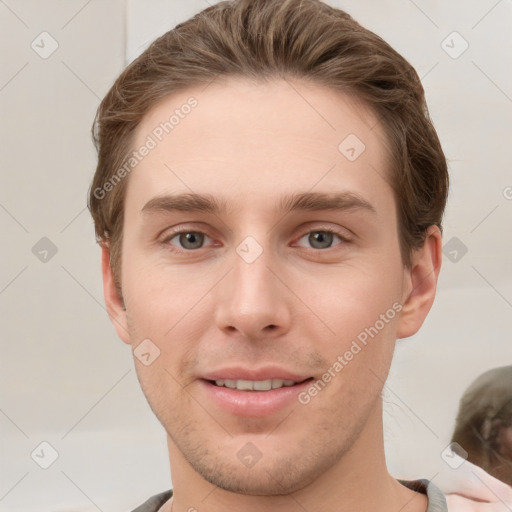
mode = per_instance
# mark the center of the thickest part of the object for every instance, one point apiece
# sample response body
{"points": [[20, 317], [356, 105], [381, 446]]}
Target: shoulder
{"points": [[154, 503], [436, 497]]}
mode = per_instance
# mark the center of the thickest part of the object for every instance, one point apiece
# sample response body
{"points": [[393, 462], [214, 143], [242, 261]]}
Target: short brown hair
{"points": [[262, 39]]}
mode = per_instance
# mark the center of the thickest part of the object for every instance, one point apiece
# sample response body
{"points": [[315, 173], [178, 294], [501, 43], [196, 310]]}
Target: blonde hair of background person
{"points": [[258, 128]]}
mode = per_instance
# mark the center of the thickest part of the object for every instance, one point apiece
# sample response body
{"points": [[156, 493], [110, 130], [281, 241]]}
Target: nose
{"points": [[252, 301]]}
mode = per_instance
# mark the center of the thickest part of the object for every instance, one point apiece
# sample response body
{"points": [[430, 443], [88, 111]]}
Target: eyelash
{"points": [[169, 237]]}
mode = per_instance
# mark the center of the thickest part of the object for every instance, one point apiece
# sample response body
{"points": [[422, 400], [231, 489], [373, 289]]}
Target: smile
{"points": [[253, 398], [254, 385]]}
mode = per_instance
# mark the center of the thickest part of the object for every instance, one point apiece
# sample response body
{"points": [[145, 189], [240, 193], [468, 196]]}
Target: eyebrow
{"points": [[304, 201]]}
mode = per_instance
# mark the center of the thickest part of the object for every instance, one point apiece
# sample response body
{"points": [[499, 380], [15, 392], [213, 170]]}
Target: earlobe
{"points": [[114, 303], [420, 284]]}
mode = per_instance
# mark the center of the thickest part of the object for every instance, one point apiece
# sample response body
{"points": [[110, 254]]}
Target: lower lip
{"points": [[253, 404]]}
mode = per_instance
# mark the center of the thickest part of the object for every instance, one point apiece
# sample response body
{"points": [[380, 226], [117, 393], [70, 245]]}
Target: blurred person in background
{"points": [[484, 423]]}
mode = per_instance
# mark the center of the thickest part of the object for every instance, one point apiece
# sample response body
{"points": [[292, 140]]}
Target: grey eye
{"points": [[190, 239], [320, 239]]}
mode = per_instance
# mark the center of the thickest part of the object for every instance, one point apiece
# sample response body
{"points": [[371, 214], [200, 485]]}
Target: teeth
{"points": [[254, 385], [244, 385], [262, 385]]}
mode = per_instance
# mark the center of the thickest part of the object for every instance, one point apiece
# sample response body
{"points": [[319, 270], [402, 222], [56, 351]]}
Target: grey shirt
{"points": [[436, 499]]}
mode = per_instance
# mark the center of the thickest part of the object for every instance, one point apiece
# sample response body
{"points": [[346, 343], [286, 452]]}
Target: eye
{"points": [[188, 240], [322, 238]]}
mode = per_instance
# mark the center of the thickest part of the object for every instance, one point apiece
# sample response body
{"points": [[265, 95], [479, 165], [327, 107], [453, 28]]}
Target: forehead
{"points": [[246, 141]]}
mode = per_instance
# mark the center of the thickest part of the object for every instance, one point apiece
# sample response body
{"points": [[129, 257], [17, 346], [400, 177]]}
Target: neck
{"points": [[358, 481]]}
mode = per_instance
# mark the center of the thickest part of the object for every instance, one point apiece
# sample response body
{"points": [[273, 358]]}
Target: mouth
{"points": [[256, 385], [253, 398]]}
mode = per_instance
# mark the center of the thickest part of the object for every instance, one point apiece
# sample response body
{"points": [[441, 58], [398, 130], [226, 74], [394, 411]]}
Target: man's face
{"points": [[254, 292]]}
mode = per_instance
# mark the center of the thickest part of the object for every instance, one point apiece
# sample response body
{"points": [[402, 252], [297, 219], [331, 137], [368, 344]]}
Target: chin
{"points": [[275, 473], [256, 482]]}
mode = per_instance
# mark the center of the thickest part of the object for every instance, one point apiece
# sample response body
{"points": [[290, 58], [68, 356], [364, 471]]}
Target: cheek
{"points": [[167, 306], [353, 298], [361, 307], [158, 295]]}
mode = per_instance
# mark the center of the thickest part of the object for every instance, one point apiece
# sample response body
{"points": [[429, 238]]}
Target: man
{"points": [[268, 199]]}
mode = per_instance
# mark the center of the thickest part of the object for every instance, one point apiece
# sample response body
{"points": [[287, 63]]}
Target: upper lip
{"points": [[265, 373]]}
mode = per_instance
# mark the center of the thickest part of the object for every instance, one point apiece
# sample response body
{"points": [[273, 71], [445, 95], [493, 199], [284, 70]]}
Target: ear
{"points": [[420, 284], [115, 306]]}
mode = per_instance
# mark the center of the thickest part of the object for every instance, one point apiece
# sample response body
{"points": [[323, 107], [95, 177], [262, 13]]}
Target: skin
{"points": [[298, 306]]}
